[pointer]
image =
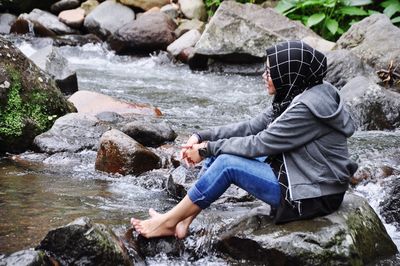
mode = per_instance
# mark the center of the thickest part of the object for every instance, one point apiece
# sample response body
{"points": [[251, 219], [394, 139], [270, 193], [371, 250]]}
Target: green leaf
{"points": [[284, 6], [332, 25], [310, 3], [388, 2], [353, 11], [340, 31], [315, 19], [358, 2], [371, 12], [391, 9], [395, 20]]}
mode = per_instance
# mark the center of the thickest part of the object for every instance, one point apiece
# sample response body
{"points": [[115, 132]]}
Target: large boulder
{"points": [[6, 20], [343, 65], [21, 6], [48, 20], [374, 39], [25, 258], [72, 133], [240, 33], [107, 18], [118, 153], [145, 4], [29, 100], [85, 243], [90, 102], [148, 133], [150, 32], [193, 9], [51, 61], [353, 235], [372, 106]]}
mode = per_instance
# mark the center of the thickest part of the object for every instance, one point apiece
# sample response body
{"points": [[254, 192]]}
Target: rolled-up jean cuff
{"points": [[197, 197]]}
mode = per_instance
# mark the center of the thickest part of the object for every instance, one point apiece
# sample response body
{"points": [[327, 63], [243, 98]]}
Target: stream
{"points": [[35, 197]]}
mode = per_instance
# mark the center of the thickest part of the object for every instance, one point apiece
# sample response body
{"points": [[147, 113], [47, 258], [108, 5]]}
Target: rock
{"points": [[372, 107], [89, 102], [62, 5], [149, 134], [150, 32], [171, 246], [6, 20], [110, 117], [107, 18], [29, 100], [73, 18], [185, 54], [353, 235], [179, 182], [189, 39], [118, 153], [72, 133], [84, 243], [187, 25], [49, 21], [172, 10], [76, 40], [390, 206], [145, 4], [21, 6], [193, 9], [51, 61], [343, 66], [24, 26], [374, 39], [319, 43], [25, 258], [230, 36], [89, 6]]}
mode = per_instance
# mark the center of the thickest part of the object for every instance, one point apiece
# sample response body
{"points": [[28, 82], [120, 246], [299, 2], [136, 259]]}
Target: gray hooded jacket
{"points": [[311, 135]]}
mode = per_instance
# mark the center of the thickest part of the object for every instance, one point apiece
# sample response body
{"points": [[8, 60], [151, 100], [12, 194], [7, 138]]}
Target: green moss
{"points": [[17, 110]]}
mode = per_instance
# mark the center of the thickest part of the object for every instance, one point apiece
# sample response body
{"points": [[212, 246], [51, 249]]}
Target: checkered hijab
{"points": [[294, 67]]}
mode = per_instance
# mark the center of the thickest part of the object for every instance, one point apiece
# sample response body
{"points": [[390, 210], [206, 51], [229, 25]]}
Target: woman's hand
{"points": [[189, 144], [193, 155]]}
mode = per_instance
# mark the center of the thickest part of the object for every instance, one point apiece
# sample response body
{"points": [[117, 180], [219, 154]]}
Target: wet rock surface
{"points": [[6, 20], [118, 153], [352, 235], [84, 243], [25, 258], [391, 204]]}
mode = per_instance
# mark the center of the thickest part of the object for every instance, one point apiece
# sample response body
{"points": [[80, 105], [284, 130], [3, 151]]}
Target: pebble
{"points": [[40, 79], [5, 85]]}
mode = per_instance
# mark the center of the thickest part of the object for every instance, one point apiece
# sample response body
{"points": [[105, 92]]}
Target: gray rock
{"points": [[29, 99], [118, 153], [107, 18], [179, 181], [343, 65], [150, 32], [25, 258], [25, 26], [189, 39], [172, 10], [84, 243], [72, 133], [49, 21], [193, 9], [353, 235], [187, 25], [374, 39], [6, 20], [372, 106], [240, 33], [148, 133], [62, 5], [145, 4], [390, 206], [89, 6]]}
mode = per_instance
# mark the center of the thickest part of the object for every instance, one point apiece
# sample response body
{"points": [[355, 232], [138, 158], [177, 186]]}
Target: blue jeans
{"points": [[252, 175]]}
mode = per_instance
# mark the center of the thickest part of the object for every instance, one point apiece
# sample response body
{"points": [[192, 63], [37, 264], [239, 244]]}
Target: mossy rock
{"points": [[30, 101]]}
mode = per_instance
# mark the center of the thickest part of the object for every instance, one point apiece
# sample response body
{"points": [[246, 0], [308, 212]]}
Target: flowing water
{"points": [[35, 197]]}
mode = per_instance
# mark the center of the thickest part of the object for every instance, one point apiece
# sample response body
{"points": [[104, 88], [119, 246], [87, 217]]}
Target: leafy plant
{"points": [[331, 18]]}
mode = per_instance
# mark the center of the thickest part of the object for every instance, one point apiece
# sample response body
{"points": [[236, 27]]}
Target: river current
{"points": [[35, 197]]}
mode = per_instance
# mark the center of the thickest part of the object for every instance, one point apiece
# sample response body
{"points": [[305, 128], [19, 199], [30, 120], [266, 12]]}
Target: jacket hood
{"points": [[326, 104]]}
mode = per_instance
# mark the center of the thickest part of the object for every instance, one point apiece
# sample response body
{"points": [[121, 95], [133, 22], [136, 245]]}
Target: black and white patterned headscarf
{"points": [[294, 67]]}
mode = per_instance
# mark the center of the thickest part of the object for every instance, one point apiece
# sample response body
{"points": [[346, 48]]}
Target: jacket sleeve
{"points": [[294, 128], [240, 129]]}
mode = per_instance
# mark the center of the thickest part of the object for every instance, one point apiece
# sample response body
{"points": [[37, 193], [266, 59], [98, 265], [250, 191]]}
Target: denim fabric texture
{"points": [[218, 173]]}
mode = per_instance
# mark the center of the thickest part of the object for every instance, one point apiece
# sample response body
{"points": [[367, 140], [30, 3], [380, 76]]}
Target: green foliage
{"points": [[331, 18], [15, 112]]}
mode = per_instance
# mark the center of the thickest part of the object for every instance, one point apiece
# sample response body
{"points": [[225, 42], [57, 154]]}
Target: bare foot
{"points": [[181, 229], [157, 225]]}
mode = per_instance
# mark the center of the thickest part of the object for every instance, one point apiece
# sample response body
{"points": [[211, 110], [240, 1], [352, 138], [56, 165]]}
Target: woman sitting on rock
{"points": [[292, 156]]}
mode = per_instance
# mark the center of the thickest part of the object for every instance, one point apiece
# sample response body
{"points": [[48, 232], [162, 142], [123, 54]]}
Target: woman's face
{"points": [[268, 81]]}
